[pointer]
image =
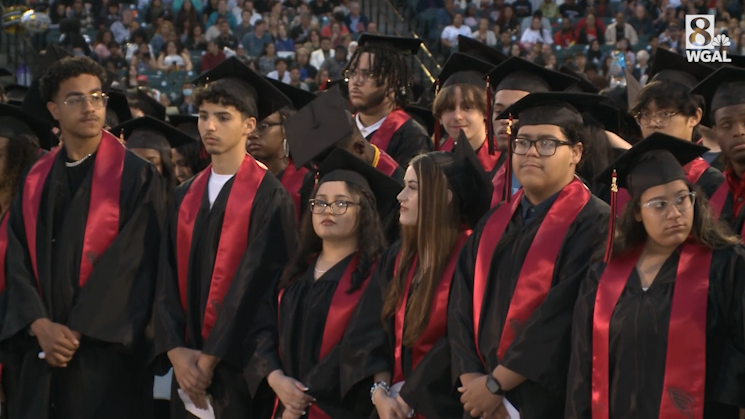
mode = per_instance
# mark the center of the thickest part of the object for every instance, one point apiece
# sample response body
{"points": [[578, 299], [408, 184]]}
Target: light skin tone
{"points": [[151, 155], [679, 126], [266, 144], [465, 117], [372, 101], [503, 99], [730, 134], [409, 199], [183, 171]]}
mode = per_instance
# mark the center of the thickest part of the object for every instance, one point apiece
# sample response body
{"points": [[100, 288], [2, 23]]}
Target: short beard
{"points": [[374, 100]]}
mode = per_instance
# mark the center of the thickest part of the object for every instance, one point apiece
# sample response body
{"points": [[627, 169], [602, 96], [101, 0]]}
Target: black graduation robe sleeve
{"points": [[409, 141], [263, 342], [710, 181]]}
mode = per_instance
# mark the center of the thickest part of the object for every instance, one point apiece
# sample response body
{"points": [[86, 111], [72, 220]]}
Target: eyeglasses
{"points": [[363, 75], [662, 118], [545, 147], [318, 206], [263, 127], [97, 100], [682, 203]]}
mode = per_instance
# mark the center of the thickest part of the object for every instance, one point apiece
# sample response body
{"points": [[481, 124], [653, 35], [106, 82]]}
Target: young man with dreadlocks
{"points": [[378, 77]]}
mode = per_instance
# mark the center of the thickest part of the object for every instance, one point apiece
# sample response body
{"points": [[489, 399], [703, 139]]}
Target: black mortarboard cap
{"points": [[247, 83], [149, 106], [51, 55], [583, 85], [188, 124], [736, 61], [33, 104], [464, 69], [520, 74], [668, 65], [317, 127], [421, 111], [15, 93], [560, 108], [13, 121], [4, 72], [119, 105], [168, 136], [480, 50], [342, 165], [299, 97], [633, 87], [396, 43], [725, 87]]}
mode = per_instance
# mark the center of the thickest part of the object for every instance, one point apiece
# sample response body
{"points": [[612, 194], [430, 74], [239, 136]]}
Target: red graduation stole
{"points": [[233, 234], [292, 180], [384, 162], [437, 324], [448, 145], [394, 121], [685, 364], [342, 306], [102, 224], [537, 271], [497, 182], [487, 160]]}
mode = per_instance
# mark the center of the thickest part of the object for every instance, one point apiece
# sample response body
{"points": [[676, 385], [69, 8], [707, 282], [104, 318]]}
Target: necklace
{"points": [[320, 271], [77, 163]]}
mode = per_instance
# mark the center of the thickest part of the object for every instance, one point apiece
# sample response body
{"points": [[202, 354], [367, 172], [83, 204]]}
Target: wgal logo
{"points": [[701, 44]]}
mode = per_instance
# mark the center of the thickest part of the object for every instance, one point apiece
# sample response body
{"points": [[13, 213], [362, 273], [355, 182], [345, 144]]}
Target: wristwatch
{"points": [[493, 386]]}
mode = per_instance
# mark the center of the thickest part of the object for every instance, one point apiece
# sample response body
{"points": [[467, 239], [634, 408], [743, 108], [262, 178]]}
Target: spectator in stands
{"points": [[280, 71], [641, 22], [523, 8], [356, 21], [139, 36], [165, 32], [505, 42], [336, 35], [372, 28], [197, 41], [101, 46], [446, 15], [619, 29], [641, 69], [322, 78], [335, 65], [549, 9], [174, 57], [267, 59], [209, 8], [212, 57], [222, 11], [319, 56], [292, 4], [82, 13], [580, 62], [301, 31], [130, 80], [187, 15], [606, 65], [314, 41], [739, 45], [570, 9], [590, 33], [337, 17], [284, 42], [307, 71], [296, 80], [525, 23], [154, 11], [321, 7], [255, 41], [57, 12], [226, 39], [604, 10], [551, 61], [144, 59], [565, 37], [275, 13], [484, 34], [109, 15], [184, 31], [536, 33], [248, 6], [469, 19], [245, 26], [450, 34], [507, 20], [116, 57], [594, 54], [516, 51], [673, 36], [582, 22]]}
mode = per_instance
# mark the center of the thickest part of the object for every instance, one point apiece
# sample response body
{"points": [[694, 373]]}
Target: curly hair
{"points": [[224, 92], [388, 67], [20, 153], [370, 241], [65, 69], [195, 155]]}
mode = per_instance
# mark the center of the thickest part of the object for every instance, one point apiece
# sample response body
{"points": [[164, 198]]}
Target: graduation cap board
{"points": [[13, 121], [725, 87], [421, 111], [148, 132], [522, 75], [668, 65], [583, 85], [119, 106], [33, 103], [317, 127], [149, 106], [464, 69], [299, 97], [245, 83], [15, 93], [480, 50], [561, 108], [395, 43], [188, 124]]}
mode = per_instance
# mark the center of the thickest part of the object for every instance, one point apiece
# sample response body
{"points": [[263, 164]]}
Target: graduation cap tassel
{"points": [[121, 137], [489, 120], [508, 171], [438, 127], [612, 220]]}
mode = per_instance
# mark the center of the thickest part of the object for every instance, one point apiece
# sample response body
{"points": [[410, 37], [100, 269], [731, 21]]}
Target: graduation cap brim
{"points": [[384, 187], [480, 50], [299, 97], [583, 85], [395, 43], [149, 106], [719, 91], [180, 119], [668, 65], [4, 72], [174, 136], [246, 82], [119, 104], [317, 127], [40, 129], [17, 88], [464, 69], [517, 67], [684, 152], [557, 108]]}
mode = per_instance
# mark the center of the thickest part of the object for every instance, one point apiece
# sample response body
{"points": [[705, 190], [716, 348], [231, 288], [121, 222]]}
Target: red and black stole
{"points": [[384, 162], [233, 234], [685, 364], [394, 121], [292, 180], [537, 271], [102, 224]]}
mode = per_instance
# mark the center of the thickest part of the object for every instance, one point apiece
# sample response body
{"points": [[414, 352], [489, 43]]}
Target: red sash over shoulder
{"points": [[385, 162], [394, 121], [102, 225], [437, 324], [233, 234], [537, 271], [292, 180], [685, 364]]}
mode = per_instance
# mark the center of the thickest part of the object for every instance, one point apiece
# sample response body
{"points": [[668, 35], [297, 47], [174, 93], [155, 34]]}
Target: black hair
{"points": [[65, 69], [195, 155], [388, 66], [20, 153], [224, 92], [597, 153], [152, 138], [667, 94]]}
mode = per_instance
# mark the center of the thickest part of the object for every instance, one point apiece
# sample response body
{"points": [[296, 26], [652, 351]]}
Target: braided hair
{"points": [[387, 66]]}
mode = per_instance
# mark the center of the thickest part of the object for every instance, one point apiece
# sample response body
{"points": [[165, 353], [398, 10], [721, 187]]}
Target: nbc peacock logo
{"points": [[701, 43]]}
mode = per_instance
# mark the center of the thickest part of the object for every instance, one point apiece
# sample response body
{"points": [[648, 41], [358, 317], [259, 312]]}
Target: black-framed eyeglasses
{"points": [[682, 203], [263, 126], [318, 206], [545, 147], [661, 118], [97, 100]]}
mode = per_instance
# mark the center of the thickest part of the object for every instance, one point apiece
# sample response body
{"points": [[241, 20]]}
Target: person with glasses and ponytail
{"points": [[658, 326], [300, 324]]}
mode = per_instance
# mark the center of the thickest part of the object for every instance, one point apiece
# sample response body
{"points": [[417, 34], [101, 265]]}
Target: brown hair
{"points": [[431, 241], [472, 96], [706, 229]]}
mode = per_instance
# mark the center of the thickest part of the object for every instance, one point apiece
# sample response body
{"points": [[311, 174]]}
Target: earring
{"points": [[286, 148]]}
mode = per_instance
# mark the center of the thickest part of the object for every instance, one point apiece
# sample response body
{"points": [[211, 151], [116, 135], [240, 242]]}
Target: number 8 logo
{"points": [[699, 31]]}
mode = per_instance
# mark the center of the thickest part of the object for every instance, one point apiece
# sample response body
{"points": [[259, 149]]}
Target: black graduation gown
{"points": [[271, 235], [638, 342], [294, 345], [541, 348], [368, 348], [407, 142], [108, 375]]}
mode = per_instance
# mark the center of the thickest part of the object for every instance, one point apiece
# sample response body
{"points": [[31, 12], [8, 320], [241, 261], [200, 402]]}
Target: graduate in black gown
{"points": [[658, 326], [379, 83], [117, 109], [229, 233], [724, 93], [83, 239], [142, 104], [300, 325], [518, 275], [191, 158], [397, 336]]}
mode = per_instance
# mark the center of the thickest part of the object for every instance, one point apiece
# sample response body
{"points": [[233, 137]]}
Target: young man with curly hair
{"points": [[83, 239]]}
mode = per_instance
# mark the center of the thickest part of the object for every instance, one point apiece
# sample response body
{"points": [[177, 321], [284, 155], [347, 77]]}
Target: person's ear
{"points": [[53, 109]]}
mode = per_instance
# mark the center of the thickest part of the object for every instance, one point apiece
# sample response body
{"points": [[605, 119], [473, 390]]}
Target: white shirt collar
{"points": [[366, 131]]}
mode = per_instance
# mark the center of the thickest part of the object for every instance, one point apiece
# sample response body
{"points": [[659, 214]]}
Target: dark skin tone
{"points": [[730, 133], [266, 144], [183, 171], [151, 155]]}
